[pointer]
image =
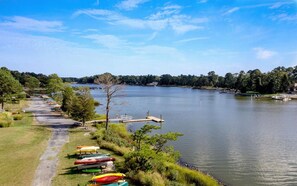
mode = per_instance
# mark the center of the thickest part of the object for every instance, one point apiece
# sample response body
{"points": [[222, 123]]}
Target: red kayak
{"points": [[93, 161], [108, 178]]}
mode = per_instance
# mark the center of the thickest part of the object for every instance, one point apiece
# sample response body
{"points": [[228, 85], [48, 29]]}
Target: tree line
{"points": [[280, 79]]}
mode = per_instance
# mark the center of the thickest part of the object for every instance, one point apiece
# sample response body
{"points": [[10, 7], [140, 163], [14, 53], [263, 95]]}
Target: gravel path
{"points": [[46, 169]]}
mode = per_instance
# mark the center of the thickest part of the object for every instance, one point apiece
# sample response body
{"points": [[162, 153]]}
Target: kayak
{"points": [[88, 149], [83, 146], [119, 183], [108, 178], [92, 155], [91, 166], [94, 170], [93, 161], [96, 157]]}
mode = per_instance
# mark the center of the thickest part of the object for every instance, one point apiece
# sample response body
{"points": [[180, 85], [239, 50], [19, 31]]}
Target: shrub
{"points": [[5, 119], [18, 117]]}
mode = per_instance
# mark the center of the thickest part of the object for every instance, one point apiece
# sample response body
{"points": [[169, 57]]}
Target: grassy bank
{"points": [[21, 146], [64, 176], [118, 142]]}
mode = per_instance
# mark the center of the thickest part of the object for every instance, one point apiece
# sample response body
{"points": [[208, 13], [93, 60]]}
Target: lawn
{"points": [[21, 146], [65, 176]]}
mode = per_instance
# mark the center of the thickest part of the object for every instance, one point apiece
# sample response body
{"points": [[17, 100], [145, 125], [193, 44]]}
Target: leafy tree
{"points": [[31, 83], [213, 78], [111, 88], [142, 134], [150, 148], [159, 140], [8, 85], [55, 87], [82, 107], [230, 80], [68, 96]]}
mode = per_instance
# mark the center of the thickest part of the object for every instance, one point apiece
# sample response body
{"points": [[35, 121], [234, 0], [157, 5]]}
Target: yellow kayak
{"points": [[108, 174], [88, 149]]}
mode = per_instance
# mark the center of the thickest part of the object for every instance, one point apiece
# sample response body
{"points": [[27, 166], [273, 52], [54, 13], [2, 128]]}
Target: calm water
{"points": [[239, 141]]}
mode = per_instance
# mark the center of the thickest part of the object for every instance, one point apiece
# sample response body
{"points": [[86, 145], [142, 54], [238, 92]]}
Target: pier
{"points": [[147, 119]]}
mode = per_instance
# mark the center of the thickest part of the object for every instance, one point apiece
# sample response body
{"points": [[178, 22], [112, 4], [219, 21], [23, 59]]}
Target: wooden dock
{"points": [[147, 119]]}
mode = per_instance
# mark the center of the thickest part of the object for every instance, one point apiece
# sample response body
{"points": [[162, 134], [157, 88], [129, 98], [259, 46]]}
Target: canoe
{"points": [[93, 161], [108, 178], [92, 155]]}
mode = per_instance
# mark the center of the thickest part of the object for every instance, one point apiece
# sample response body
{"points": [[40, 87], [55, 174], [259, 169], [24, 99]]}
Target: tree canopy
{"points": [[82, 107], [8, 85]]}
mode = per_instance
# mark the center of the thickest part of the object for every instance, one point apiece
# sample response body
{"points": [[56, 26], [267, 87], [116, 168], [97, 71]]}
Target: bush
{"points": [[5, 119], [18, 117]]}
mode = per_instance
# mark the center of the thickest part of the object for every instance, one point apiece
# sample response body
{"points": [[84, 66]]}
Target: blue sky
{"points": [[87, 37]]}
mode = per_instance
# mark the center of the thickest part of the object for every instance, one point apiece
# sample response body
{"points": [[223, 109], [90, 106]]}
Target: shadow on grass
{"points": [[72, 156]]}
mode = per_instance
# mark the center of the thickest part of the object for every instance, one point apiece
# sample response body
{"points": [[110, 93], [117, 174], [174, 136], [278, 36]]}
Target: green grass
{"points": [[20, 149], [64, 174]]}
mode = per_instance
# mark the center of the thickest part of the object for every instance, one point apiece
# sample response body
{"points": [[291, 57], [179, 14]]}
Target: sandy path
{"points": [[46, 169]]}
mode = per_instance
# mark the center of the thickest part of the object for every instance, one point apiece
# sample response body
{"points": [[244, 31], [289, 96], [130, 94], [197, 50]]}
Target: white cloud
{"points": [[168, 17], [262, 53], [153, 36], [28, 24], [191, 39], [130, 4], [232, 10], [72, 59], [280, 4], [284, 17], [108, 41]]}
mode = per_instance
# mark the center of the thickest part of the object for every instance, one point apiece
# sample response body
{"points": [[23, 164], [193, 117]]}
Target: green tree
{"points": [[213, 78], [142, 134], [230, 80], [8, 86], [31, 83], [55, 87], [111, 88], [68, 96], [82, 107], [158, 141]]}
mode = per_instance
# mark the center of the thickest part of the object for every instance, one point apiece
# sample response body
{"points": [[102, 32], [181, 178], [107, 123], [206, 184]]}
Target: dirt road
{"points": [[49, 160]]}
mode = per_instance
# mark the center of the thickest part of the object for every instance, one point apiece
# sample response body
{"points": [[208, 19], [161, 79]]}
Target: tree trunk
{"points": [[2, 102], [84, 121], [107, 117]]}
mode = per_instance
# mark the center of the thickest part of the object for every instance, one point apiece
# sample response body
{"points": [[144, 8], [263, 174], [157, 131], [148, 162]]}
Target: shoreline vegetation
{"points": [[164, 172]]}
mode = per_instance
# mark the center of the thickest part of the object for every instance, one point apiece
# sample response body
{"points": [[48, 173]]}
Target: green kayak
{"points": [[92, 155], [92, 170]]}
